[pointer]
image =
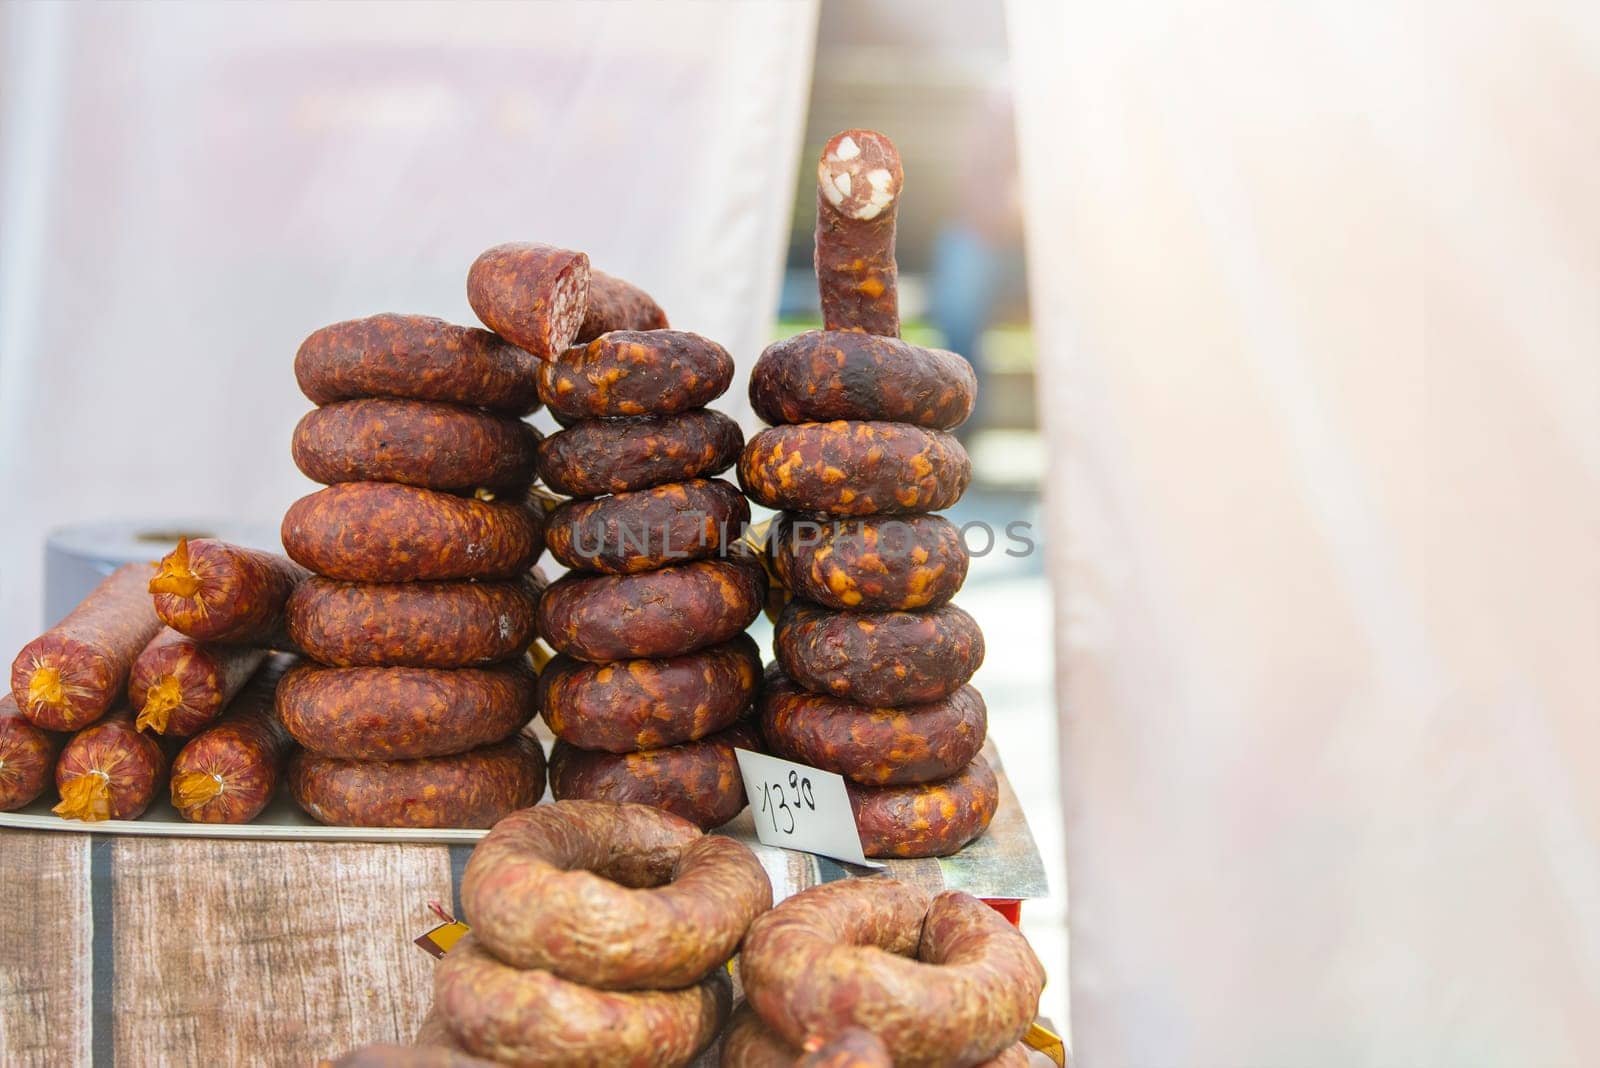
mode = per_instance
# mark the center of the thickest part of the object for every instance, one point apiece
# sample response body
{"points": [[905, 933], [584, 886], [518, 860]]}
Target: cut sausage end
{"points": [[569, 303], [859, 174], [86, 797]]}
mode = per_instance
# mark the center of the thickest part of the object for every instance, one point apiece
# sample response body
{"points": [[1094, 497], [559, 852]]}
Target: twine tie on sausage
{"points": [[175, 576], [45, 688], [191, 789], [87, 797], [159, 702]]}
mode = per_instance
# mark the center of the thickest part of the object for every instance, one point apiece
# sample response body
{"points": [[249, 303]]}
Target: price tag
{"points": [[800, 807]]}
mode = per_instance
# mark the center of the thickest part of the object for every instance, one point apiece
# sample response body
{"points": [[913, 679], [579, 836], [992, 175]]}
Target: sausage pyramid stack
{"points": [[424, 596], [650, 693], [872, 659]]}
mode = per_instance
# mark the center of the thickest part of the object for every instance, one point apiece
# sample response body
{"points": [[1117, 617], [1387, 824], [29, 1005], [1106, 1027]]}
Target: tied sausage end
{"points": [[163, 697], [192, 789], [175, 575], [46, 689], [86, 797]]}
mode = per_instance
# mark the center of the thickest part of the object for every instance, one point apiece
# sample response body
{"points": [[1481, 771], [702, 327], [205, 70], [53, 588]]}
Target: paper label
{"points": [[800, 807], [439, 941]]}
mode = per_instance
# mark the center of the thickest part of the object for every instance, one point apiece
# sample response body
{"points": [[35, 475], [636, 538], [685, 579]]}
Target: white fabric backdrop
{"points": [[186, 191], [1318, 289]]}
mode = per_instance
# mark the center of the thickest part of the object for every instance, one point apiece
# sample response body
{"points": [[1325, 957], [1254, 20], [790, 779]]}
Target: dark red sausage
{"points": [[668, 612], [398, 713], [647, 529], [858, 190], [932, 819], [618, 305], [110, 771], [416, 357], [216, 592], [871, 563], [472, 789], [600, 456], [179, 685], [883, 659], [533, 1017], [228, 773], [27, 757], [534, 296], [633, 372], [68, 676], [823, 375], [699, 781], [383, 532], [854, 468], [874, 746], [419, 443], [415, 624], [630, 705]]}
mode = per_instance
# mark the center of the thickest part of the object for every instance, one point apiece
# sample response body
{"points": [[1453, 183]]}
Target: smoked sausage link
{"points": [[418, 443], [383, 532], [69, 676], [871, 563], [179, 685], [110, 771], [596, 456], [822, 375], [854, 468], [699, 781], [398, 713], [415, 624], [535, 1018], [618, 305], [228, 773], [882, 659], [875, 746], [628, 705], [948, 983], [647, 529], [617, 897], [633, 372], [662, 613], [471, 789], [416, 357], [27, 757], [534, 296], [388, 1055], [858, 190], [934, 819], [216, 592]]}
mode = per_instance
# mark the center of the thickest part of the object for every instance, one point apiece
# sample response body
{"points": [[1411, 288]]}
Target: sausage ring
{"points": [[399, 713], [699, 781], [667, 612], [647, 529], [534, 1018], [600, 456], [419, 443], [834, 957], [471, 789], [628, 705], [822, 375], [416, 356], [882, 659], [384, 532], [389, 1055], [749, 1043], [633, 372], [616, 897], [854, 468], [874, 746], [414, 624], [932, 819], [870, 564]]}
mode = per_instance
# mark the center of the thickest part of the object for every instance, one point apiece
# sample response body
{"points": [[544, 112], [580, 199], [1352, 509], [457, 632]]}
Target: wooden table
{"points": [[154, 951]]}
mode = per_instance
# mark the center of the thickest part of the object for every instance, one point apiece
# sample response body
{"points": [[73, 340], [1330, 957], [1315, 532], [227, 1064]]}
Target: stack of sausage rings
{"points": [[873, 662], [599, 935], [653, 683], [874, 973]]}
